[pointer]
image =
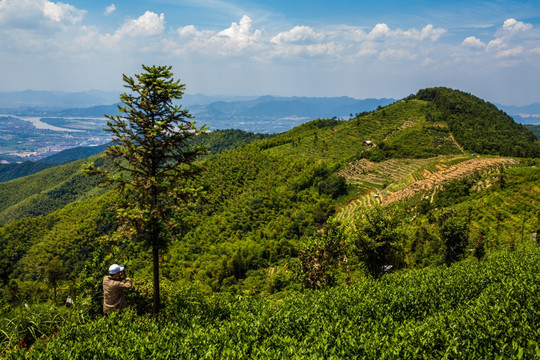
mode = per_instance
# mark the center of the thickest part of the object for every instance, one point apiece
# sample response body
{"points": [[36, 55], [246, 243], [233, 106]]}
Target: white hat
{"points": [[115, 268]]}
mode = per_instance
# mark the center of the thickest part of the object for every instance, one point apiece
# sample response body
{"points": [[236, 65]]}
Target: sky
{"points": [[356, 48]]}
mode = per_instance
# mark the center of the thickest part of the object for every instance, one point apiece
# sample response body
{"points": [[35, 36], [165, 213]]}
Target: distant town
{"points": [[22, 140]]}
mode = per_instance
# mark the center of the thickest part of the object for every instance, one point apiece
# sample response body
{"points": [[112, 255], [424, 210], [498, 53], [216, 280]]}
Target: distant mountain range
{"points": [[54, 100], [265, 114], [527, 114]]}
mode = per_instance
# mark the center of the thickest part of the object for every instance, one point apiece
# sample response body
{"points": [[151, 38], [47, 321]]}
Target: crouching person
{"points": [[114, 285]]}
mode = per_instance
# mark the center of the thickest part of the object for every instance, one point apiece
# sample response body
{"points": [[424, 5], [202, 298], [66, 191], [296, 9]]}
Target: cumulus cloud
{"points": [[511, 40], [141, 35], [379, 30], [189, 31], [238, 38], [21, 14], [504, 45], [238, 35], [148, 24], [298, 35], [428, 32], [368, 52], [47, 28], [397, 54], [513, 26], [60, 12], [109, 9], [473, 42]]}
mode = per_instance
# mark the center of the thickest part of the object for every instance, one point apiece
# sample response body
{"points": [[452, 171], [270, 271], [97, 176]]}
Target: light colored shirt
{"points": [[113, 294]]}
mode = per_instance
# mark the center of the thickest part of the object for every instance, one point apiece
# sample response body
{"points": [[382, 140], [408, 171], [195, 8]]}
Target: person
{"points": [[113, 289]]}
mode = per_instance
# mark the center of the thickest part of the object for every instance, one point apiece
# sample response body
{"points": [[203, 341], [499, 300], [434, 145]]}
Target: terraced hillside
{"points": [[396, 180]]}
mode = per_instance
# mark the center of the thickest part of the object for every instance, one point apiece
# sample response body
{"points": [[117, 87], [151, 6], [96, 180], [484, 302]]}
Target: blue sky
{"points": [[292, 48]]}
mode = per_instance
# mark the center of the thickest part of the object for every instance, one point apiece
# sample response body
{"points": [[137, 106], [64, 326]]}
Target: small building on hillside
{"points": [[367, 143]]}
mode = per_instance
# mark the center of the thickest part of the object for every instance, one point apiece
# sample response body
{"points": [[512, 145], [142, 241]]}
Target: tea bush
{"points": [[472, 309]]}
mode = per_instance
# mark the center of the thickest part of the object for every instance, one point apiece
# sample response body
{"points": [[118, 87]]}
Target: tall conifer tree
{"points": [[154, 158]]}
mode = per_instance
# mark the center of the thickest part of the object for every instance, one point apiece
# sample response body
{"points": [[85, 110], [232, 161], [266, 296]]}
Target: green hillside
{"points": [[535, 129], [276, 213], [44, 192], [265, 199], [478, 125], [14, 171]]}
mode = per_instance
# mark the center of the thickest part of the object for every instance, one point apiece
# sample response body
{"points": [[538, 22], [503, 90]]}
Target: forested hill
{"points": [[216, 142], [264, 200], [477, 125], [28, 190], [13, 171]]}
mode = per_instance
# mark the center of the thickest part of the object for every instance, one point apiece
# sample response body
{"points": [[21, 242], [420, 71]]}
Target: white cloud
{"points": [[349, 55], [109, 9], [473, 42], [32, 14], [366, 53], [514, 26], [147, 25], [510, 52], [238, 35], [397, 54], [511, 40], [298, 35], [188, 31], [237, 39], [60, 12], [428, 32], [379, 30], [496, 44]]}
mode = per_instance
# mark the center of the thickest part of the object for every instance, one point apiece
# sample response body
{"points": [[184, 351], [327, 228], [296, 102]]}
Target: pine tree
{"points": [[154, 159]]}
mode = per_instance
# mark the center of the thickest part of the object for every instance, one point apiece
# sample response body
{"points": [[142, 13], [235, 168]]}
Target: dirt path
{"points": [[457, 144]]}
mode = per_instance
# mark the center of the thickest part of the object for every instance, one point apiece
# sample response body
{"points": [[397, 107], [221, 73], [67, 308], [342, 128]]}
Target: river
{"points": [[36, 121]]}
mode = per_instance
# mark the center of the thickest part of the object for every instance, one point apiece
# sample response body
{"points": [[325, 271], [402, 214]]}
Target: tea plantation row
{"points": [[471, 310]]}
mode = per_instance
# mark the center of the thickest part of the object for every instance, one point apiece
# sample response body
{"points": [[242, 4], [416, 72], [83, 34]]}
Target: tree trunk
{"points": [[155, 260], [155, 246], [155, 256]]}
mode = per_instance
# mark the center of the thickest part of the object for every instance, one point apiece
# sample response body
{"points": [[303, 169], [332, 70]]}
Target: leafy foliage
{"points": [[49, 190], [478, 125], [219, 141], [13, 171], [377, 239], [472, 309], [321, 255]]}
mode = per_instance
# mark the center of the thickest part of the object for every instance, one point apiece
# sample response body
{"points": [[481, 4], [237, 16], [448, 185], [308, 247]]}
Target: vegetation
{"points": [[479, 126], [47, 191], [304, 244], [473, 309], [219, 141], [535, 129], [14, 171], [153, 159]]}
